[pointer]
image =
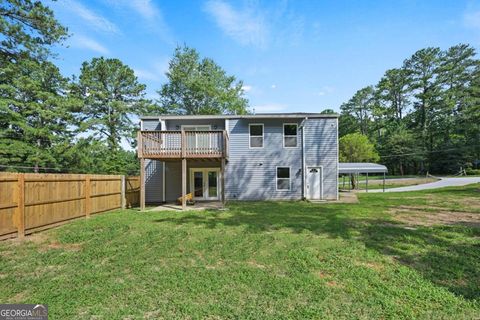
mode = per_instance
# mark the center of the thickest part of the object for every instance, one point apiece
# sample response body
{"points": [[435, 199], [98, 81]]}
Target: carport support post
{"points": [[384, 181], [184, 183], [366, 184]]}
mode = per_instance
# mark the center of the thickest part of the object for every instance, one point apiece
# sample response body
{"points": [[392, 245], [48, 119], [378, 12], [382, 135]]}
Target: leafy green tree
{"points": [[111, 94], [35, 113], [356, 147], [393, 92], [360, 106], [89, 155], [328, 111], [200, 86], [27, 29], [400, 150], [422, 69]]}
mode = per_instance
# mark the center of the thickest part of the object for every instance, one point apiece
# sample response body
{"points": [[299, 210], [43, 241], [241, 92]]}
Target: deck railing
{"points": [[183, 144]]}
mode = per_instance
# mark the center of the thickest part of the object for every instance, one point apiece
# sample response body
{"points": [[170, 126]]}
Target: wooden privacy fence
{"points": [[32, 202]]}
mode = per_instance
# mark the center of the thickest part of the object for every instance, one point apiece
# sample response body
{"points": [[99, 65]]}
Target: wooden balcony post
{"points": [[142, 184], [139, 144], [222, 173], [183, 142], [184, 183]]}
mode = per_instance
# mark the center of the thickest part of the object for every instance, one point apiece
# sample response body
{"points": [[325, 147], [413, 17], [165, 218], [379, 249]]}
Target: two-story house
{"points": [[284, 156]]}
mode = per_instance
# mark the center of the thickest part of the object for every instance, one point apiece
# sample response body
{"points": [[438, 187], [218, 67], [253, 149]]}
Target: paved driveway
{"points": [[443, 182]]}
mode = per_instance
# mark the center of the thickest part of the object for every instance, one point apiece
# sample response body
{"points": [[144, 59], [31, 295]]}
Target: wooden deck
{"points": [[182, 146], [170, 145]]}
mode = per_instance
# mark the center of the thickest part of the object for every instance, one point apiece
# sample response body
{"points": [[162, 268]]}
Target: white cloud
{"points": [[258, 24], [93, 19], [156, 72], [146, 75], [269, 108], [325, 90], [145, 8], [472, 19], [247, 26], [81, 41], [148, 11], [273, 86], [246, 88]]}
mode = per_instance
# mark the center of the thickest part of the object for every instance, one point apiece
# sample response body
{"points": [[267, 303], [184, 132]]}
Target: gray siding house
{"points": [[287, 156]]}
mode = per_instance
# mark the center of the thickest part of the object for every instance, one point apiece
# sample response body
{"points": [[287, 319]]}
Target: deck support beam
{"points": [[184, 183], [222, 173], [142, 184]]}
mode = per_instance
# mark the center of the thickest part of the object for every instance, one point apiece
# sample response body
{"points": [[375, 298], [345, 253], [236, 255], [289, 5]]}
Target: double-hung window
{"points": [[256, 135], [283, 178], [290, 135]]}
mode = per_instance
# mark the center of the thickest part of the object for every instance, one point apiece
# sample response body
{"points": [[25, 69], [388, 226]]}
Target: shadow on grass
{"points": [[449, 256]]}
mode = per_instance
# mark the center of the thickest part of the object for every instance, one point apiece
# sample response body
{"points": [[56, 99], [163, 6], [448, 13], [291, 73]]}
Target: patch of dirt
{"points": [[472, 202], [20, 297], [371, 265], [415, 216], [255, 264], [348, 197], [65, 246], [333, 284]]}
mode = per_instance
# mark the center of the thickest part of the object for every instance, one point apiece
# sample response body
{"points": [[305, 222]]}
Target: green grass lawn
{"points": [[259, 260]]}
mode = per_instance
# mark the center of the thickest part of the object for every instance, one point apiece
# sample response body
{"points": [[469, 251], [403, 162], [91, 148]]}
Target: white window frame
{"points": [[249, 136], [284, 136], [289, 178]]}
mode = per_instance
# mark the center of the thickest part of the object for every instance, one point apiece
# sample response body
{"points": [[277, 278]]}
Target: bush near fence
{"points": [[31, 202]]}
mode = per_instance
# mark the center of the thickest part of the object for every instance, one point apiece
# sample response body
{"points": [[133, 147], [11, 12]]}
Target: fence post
{"points": [[21, 205], [88, 203], [123, 199]]}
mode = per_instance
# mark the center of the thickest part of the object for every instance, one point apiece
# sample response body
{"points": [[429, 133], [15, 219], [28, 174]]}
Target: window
{"points": [[290, 135], [283, 178], [256, 135]]}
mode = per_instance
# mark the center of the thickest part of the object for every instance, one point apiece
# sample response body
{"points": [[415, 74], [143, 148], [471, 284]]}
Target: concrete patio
{"points": [[199, 205]]}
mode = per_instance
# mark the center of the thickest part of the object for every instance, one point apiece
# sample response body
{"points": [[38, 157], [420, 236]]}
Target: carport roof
{"points": [[360, 167]]}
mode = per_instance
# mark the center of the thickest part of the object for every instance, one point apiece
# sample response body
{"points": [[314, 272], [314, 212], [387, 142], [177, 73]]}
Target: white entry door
{"points": [[205, 183], [314, 183]]}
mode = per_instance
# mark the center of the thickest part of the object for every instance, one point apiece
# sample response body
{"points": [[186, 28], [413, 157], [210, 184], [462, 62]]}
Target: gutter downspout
{"points": [[302, 126]]}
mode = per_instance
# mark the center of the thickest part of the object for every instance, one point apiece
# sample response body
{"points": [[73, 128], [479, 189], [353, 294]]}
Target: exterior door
{"points": [[314, 183], [204, 183], [197, 141], [198, 184]]}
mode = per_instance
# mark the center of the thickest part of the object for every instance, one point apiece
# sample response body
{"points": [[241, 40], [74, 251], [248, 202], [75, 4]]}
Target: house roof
{"points": [[245, 116], [360, 167]]}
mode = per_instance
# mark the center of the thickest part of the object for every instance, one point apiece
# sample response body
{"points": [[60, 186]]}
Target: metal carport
{"points": [[357, 168]]}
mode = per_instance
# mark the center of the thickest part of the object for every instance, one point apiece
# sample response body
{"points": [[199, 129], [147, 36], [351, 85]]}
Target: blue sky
{"points": [[291, 55]]}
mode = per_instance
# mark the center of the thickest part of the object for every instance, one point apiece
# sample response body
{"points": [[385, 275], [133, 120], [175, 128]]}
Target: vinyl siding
{"points": [[321, 149], [151, 124], [219, 123], [153, 170], [251, 173]]}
